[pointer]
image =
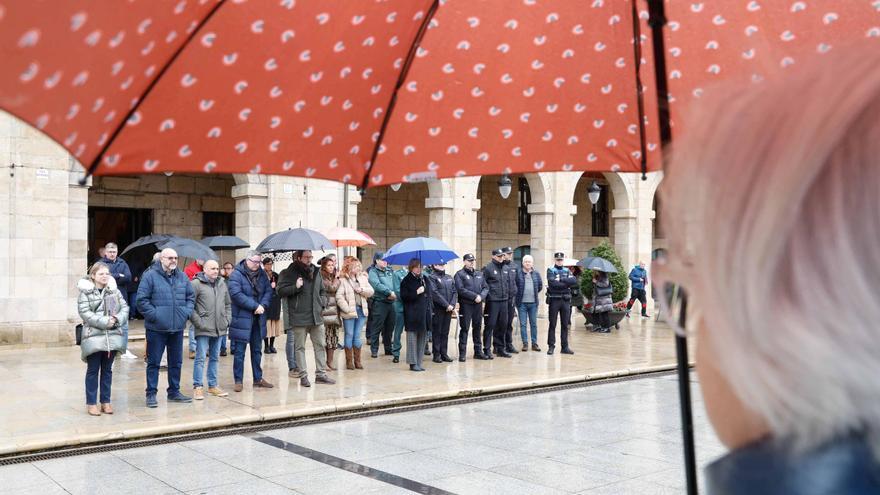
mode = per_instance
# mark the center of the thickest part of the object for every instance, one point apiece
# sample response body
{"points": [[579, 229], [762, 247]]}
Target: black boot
{"points": [[272, 345], [266, 347]]}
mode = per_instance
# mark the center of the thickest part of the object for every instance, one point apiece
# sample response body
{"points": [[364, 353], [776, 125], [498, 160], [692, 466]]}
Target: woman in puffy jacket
{"points": [[102, 307], [352, 300], [602, 300], [330, 313]]}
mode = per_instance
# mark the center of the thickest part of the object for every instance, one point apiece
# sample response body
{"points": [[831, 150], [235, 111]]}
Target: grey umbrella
{"points": [[596, 263], [225, 242], [188, 248], [148, 242], [295, 240]]}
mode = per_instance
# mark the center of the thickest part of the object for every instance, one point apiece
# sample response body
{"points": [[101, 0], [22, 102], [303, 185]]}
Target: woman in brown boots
{"points": [[351, 299], [330, 278]]}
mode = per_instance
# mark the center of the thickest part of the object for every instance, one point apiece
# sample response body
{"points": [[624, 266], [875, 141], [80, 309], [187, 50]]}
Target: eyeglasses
{"points": [[256, 261], [170, 257]]}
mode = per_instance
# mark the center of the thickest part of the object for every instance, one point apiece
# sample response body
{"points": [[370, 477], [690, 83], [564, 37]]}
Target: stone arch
{"points": [[624, 195]]}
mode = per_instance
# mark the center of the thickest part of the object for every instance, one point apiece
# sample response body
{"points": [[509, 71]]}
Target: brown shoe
{"points": [[217, 392], [199, 393], [323, 378], [238, 387], [106, 408], [357, 358], [93, 410], [349, 359], [263, 384], [525, 348], [330, 359], [192, 354]]}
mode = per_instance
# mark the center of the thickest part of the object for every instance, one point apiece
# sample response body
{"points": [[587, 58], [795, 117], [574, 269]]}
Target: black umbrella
{"points": [[596, 263], [188, 248], [295, 240], [225, 242], [147, 241]]}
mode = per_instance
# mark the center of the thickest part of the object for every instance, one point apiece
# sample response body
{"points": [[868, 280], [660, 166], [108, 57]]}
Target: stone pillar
{"points": [[452, 209], [543, 235], [251, 194]]}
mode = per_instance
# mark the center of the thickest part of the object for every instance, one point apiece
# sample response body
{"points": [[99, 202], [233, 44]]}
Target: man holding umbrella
{"points": [[251, 293], [559, 284], [303, 287]]}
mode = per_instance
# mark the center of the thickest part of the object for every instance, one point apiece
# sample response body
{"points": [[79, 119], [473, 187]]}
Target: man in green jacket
{"points": [[382, 309], [398, 315]]}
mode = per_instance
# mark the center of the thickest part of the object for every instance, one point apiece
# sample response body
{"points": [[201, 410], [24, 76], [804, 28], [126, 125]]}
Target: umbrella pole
{"points": [[684, 393]]}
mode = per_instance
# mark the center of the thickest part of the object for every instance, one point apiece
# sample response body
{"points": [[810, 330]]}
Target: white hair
{"points": [[773, 216], [528, 257]]}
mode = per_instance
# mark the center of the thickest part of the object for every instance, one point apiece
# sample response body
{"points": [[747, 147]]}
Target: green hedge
{"points": [[619, 280]]}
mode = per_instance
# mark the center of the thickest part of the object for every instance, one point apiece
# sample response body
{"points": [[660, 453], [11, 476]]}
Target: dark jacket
{"points": [[416, 307], [602, 300], [469, 284], [513, 271], [273, 312], [638, 276], [213, 310], [120, 271], [303, 306], [559, 283], [844, 466], [246, 297], [443, 291], [165, 300], [495, 275], [521, 281]]}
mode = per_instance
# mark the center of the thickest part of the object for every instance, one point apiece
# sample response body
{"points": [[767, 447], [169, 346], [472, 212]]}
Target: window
{"points": [[524, 219], [519, 252], [600, 213], [218, 223]]}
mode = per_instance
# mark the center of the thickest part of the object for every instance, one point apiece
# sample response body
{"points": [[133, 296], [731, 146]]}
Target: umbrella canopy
{"points": [[147, 242], [430, 251], [188, 248], [225, 242], [569, 262], [346, 237], [596, 263], [295, 240]]}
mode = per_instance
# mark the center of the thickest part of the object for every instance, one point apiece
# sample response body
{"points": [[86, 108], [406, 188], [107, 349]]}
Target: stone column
{"points": [[452, 210], [251, 194]]}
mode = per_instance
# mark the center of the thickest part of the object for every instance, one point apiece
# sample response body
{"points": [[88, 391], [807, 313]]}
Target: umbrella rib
{"points": [[657, 20], [640, 89], [97, 160], [404, 72]]}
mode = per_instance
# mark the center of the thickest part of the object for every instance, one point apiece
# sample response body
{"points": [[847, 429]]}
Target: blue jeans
{"points": [[99, 363], [530, 310], [124, 325], [256, 343], [211, 346], [223, 343], [192, 337], [353, 329], [156, 345]]}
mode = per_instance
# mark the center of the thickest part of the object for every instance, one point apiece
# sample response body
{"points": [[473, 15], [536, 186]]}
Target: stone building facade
{"points": [[51, 226]]}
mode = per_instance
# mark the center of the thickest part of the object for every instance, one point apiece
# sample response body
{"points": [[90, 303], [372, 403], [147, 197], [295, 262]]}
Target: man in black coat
{"points": [[472, 291], [513, 270], [559, 284], [495, 273], [445, 299]]}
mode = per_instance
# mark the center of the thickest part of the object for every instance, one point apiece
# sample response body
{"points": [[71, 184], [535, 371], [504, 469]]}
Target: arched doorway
{"points": [[390, 216]]}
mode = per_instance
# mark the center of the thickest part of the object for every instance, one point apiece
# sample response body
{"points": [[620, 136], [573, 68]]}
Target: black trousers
{"points": [[496, 324], [440, 330], [508, 335], [641, 296], [384, 319], [604, 319], [470, 314], [559, 309]]}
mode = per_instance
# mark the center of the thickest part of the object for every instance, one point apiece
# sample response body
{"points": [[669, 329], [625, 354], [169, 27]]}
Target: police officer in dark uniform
{"points": [[513, 269], [559, 284], [445, 298], [472, 291], [496, 275]]}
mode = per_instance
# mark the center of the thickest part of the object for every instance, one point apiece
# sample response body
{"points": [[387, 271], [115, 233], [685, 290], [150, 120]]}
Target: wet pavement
{"points": [[44, 401]]}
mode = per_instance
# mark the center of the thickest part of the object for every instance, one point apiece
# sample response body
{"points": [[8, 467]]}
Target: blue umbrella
{"points": [[429, 251]]}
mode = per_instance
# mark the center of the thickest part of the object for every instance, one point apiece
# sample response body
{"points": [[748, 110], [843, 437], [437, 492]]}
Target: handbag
{"points": [[79, 334]]}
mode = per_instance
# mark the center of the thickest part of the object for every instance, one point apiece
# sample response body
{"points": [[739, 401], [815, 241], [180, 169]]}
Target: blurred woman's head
{"points": [[328, 264], [99, 273], [350, 267], [773, 216], [415, 266]]}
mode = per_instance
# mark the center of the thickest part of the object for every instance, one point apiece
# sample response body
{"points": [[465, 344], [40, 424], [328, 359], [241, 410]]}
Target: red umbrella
{"points": [[346, 237]]}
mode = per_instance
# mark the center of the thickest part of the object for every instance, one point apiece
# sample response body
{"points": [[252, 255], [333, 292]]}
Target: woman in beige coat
{"points": [[330, 279], [351, 300]]}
